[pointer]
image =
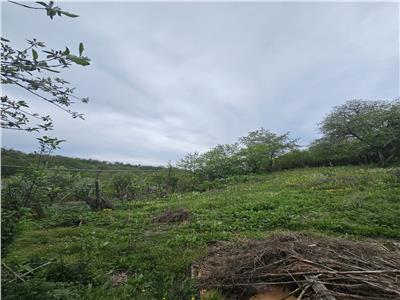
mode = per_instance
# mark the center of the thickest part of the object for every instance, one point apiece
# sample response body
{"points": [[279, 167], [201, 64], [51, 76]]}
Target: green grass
{"points": [[354, 202]]}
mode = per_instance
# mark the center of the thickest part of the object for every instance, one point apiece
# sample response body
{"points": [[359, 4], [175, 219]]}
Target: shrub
{"points": [[37, 289]]}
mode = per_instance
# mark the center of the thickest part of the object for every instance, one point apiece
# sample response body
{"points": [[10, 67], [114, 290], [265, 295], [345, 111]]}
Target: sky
{"points": [[170, 78]]}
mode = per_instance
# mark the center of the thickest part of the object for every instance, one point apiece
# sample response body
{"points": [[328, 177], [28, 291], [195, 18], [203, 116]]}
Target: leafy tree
{"points": [[58, 184], [33, 69], [190, 162], [374, 125], [171, 179], [262, 147], [328, 152], [121, 184], [220, 162], [294, 159], [255, 158]]}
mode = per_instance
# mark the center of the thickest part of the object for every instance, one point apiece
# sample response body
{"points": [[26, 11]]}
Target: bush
{"points": [[37, 289], [9, 222], [77, 273]]}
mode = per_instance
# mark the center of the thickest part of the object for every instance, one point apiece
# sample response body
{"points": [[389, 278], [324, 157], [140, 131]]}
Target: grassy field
{"points": [[111, 246]]}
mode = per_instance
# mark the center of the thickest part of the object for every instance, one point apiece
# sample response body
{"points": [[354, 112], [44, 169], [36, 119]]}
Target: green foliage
{"points": [[257, 152], [58, 185], [77, 272], [26, 69], [354, 202], [357, 132], [256, 158], [9, 227], [38, 289], [296, 159], [264, 146], [374, 125], [80, 188], [123, 186], [32, 69], [52, 10], [191, 162], [220, 162]]}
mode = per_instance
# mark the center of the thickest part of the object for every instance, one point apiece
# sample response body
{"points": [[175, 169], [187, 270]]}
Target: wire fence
{"points": [[62, 169]]}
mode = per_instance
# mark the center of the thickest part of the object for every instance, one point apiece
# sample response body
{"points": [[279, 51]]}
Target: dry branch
{"points": [[334, 268]]}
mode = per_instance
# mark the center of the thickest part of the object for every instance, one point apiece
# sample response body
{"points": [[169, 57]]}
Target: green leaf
{"points": [[42, 3], [68, 14], [83, 61], [34, 54], [66, 52], [50, 70], [22, 103], [81, 48], [27, 268]]}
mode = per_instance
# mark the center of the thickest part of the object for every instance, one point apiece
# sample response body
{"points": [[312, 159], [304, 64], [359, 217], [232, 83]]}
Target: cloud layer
{"points": [[169, 78]]}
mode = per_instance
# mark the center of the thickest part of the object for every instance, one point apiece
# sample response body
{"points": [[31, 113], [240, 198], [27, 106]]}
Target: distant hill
{"points": [[10, 157]]}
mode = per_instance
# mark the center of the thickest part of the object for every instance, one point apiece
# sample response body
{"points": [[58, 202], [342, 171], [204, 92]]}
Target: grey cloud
{"points": [[168, 78]]}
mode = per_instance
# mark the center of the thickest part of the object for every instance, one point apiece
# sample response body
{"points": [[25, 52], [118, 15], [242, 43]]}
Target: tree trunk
{"points": [[382, 160], [38, 209], [98, 199]]}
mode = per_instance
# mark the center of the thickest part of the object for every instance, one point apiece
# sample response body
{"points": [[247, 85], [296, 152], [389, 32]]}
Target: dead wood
{"points": [[311, 267], [173, 216]]}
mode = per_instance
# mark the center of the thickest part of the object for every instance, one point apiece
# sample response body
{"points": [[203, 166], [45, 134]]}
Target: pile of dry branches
{"points": [[173, 216], [310, 267]]}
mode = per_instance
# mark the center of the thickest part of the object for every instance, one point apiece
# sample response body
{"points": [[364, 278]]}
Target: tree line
{"points": [[356, 132]]}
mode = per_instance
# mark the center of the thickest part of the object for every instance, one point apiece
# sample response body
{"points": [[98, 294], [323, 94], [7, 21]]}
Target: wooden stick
{"points": [[15, 274], [303, 292], [319, 288], [332, 272], [27, 273], [291, 293]]}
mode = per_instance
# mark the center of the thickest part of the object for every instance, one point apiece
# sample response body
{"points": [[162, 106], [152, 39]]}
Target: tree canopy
{"points": [[374, 124], [35, 70]]}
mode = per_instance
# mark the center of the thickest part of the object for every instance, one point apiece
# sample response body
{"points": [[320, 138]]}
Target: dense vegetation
{"points": [[10, 157], [354, 133], [357, 132], [72, 232], [124, 254]]}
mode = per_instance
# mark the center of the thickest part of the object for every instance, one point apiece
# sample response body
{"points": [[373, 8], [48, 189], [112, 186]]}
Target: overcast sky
{"points": [[171, 78]]}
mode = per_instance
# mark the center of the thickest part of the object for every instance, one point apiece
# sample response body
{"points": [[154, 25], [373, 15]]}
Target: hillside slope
{"points": [[11, 157], [125, 254]]}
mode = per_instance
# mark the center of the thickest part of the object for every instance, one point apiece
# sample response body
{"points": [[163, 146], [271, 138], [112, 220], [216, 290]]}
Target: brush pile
{"points": [[173, 216], [309, 267]]}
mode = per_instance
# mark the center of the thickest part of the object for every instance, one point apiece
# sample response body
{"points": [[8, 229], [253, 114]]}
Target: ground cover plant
{"points": [[76, 228], [125, 254]]}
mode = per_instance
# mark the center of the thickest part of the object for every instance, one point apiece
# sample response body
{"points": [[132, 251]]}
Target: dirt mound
{"points": [[173, 216], [307, 266], [68, 222]]}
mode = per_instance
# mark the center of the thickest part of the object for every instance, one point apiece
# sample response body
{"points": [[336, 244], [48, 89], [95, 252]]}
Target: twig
{"points": [[27, 6], [320, 288], [291, 293], [381, 287], [17, 276], [333, 272], [312, 263], [356, 296], [303, 292], [31, 271], [258, 283]]}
